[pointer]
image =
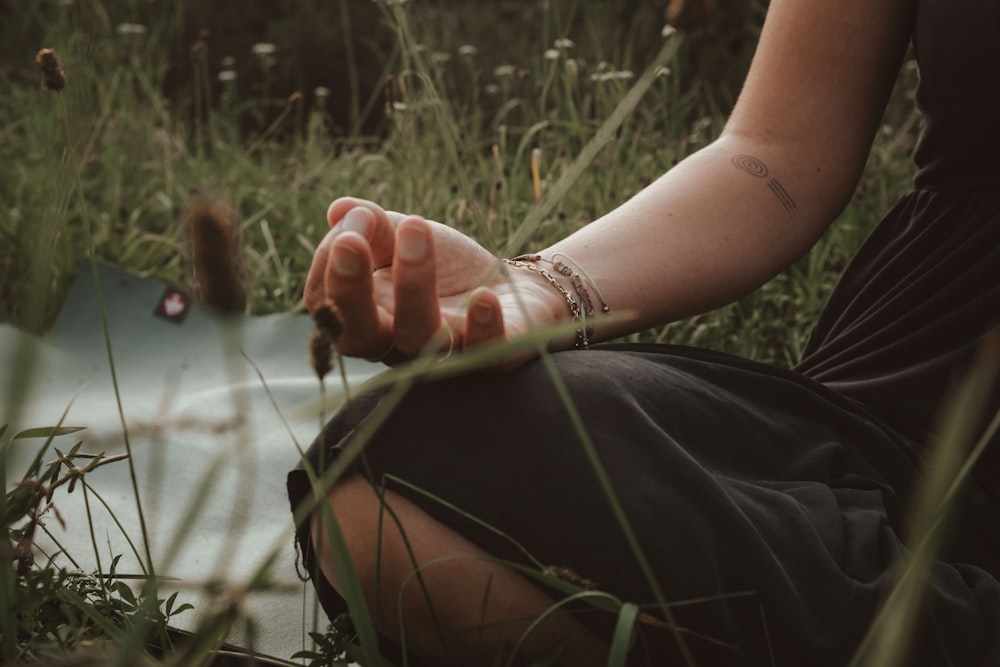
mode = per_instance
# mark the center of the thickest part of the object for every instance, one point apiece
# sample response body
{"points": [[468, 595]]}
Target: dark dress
{"points": [[771, 503]]}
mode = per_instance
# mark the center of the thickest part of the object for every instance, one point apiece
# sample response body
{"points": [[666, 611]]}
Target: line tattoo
{"points": [[782, 195], [755, 167]]}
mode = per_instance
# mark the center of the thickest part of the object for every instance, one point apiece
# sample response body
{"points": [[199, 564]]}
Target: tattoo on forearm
{"points": [[751, 165], [755, 167], [782, 195]]}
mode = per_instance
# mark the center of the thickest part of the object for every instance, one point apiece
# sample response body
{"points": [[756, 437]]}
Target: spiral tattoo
{"points": [[751, 165], [755, 167]]}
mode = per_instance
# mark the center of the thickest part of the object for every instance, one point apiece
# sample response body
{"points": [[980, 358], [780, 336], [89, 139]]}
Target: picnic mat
{"points": [[204, 428]]}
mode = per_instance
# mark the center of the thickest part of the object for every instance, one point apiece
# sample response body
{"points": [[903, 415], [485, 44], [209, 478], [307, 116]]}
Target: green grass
{"points": [[114, 183]]}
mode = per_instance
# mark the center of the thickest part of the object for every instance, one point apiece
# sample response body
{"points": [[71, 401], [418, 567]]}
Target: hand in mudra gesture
{"points": [[406, 286]]}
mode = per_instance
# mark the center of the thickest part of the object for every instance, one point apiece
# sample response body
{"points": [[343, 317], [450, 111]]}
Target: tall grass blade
{"points": [[950, 462], [600, 139], [621, 639]]}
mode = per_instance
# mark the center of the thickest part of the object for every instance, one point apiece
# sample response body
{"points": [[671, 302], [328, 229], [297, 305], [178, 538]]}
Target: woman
{"points": [[769, 504]]}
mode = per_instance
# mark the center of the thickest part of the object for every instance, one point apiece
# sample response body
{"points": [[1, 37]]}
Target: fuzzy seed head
{"points": [[328, 321], [53, 75], [214, 251], [320, 353]]}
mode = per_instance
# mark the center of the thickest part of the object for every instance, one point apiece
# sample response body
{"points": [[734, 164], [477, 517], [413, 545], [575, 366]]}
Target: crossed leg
{"points": [[470, 608]]}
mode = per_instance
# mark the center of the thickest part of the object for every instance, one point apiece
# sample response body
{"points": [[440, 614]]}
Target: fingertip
{"points": [[484, 318], [338, 209], [347, 261], [483, 311], [410, 221], [414, 242]]}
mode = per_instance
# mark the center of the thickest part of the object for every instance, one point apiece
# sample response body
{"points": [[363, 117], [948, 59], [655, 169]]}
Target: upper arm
{"points": [[818, 85]]}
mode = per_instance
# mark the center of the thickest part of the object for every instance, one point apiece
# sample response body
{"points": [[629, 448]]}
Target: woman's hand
{"points": [[405, 286]]}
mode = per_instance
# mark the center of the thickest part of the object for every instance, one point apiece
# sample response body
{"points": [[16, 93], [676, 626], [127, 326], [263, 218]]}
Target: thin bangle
{"points": [[605, 308]]}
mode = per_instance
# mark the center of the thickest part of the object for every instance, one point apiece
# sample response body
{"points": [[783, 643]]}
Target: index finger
{"points": [[371, 221]]}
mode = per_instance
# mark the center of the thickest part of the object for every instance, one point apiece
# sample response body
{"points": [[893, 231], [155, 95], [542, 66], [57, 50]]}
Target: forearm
{"points": [[712, 229]]}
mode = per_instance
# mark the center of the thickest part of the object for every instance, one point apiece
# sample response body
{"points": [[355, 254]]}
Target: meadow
{"points": [[514, 139]]}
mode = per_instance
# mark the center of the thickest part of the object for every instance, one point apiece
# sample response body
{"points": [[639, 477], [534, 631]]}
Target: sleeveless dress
{"points": [[771, 504]]}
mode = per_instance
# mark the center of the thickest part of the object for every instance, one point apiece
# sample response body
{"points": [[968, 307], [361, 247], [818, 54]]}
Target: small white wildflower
{"points": [[614, 75], [667, 31], [564, 43], [229, 62], [321, 92], [504, 71], [399, 106], [130, 29], [467, 50], [264, 49], [663, 71], [698, 129], [227, 75], [492, 89], [552, 54]]}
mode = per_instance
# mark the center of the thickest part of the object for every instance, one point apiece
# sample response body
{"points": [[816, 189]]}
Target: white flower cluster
{"points": [[130, 29]]}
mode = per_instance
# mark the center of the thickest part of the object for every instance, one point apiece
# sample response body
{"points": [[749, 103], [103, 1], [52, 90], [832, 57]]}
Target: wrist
{"points": [[571, 293]]}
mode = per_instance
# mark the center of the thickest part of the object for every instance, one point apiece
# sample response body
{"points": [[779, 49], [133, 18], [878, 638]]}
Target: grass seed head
{"points": [[215, 253], [320, 353], [568, 575], [53, 75], [328, 321]]}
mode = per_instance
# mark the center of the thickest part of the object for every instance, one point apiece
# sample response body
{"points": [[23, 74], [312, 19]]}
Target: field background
{"points": [[277, 108], [440, 107]]}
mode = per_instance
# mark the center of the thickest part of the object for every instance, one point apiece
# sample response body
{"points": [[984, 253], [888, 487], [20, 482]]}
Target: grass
{"points": [[109, 167]]}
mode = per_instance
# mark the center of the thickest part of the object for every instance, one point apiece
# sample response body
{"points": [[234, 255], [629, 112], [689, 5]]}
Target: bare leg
{"points": [[482, 608]]}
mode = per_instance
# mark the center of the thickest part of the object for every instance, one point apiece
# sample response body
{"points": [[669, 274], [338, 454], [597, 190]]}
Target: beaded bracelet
{"points": [[582, 339], [579, 286], [576, 278]]}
